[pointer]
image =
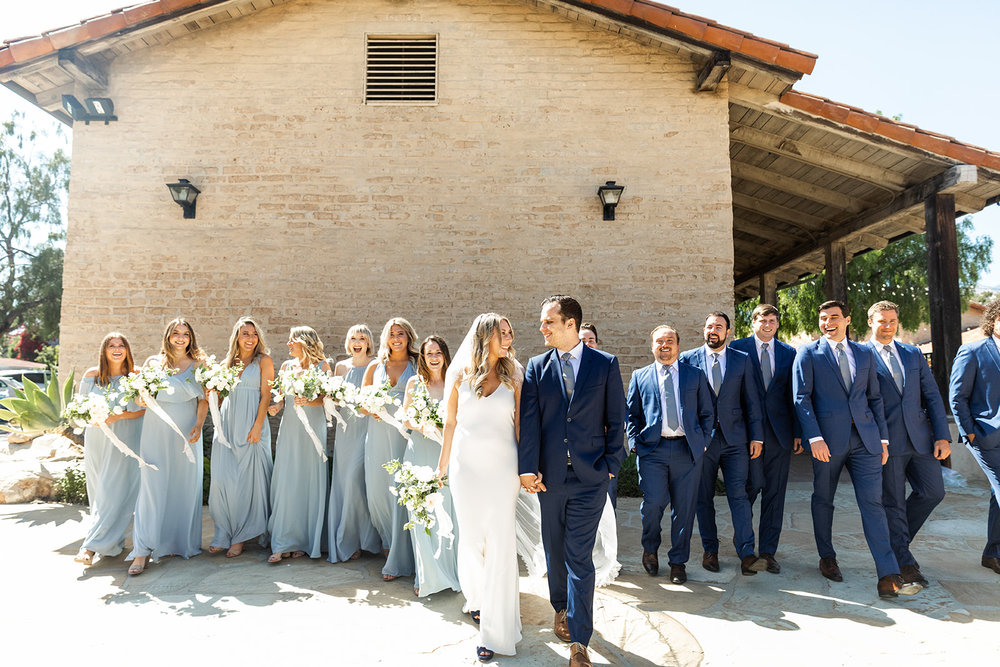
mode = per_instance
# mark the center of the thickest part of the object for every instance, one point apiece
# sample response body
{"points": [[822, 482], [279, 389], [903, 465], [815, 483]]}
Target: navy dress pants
{"points": [[907, 514], [735, 463], [989, 461], [669, 475], [769, 480]]}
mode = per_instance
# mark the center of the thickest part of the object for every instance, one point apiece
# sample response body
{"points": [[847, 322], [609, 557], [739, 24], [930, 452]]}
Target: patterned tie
{"points": [[845, 366], [765, 364], [897, 372], [567, 373], [668, 397], [716, 373]]}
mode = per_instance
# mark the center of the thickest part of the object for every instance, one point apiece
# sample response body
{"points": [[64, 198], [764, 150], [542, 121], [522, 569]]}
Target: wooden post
{"points": [[836, 271], [942, 281], [769, 289]]}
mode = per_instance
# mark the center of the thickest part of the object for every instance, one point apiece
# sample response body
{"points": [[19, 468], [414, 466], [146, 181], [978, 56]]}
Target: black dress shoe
{"points": [[828, 568], [710, 561], [888, 585], [992, 563], [767, 562], [746, 565], [912, 575], [678, 575], [651, 563]]}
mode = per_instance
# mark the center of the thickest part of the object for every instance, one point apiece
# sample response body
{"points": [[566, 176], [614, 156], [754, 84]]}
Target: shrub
{"points": [[628, 478], [49, 355], [72, 487]]}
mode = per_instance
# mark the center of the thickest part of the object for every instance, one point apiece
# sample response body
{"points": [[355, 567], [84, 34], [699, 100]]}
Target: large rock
{"points": [[22, 481]]}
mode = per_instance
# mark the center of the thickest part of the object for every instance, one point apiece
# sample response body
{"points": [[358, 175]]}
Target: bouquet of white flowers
{"points": [[304, 383], [375, 401], [424, 411], [416, 487], [94, 410], [337, 392], [218, 379], [144, 384]]}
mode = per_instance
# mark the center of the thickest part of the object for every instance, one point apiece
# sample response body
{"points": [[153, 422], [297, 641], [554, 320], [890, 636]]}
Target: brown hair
{"points": [[668, 328], [486, 326], [234, 350], [881, 307], [312, 346], [763, 310], [411, 342], [990, 316], [104, 368], [833, 303], [192, 349], [587, 326], [423, 370], [568, 307]]}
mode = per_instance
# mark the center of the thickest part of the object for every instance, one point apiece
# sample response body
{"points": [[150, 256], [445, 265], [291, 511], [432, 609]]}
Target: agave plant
{"points": [[33, 410]]}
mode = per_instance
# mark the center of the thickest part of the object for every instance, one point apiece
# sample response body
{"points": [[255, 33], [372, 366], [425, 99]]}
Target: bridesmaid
{"points": [[298, 486], [168, 510], [350, 527], [239, 493], [396, 363], [112, 477], [433, 573]]}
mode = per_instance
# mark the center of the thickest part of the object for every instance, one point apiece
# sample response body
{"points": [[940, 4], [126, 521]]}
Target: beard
{"points": [[714, 342]]}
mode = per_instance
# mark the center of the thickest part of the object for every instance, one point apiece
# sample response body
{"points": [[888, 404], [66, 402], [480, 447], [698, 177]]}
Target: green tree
{"points": [[897, 273], [33, 184]]}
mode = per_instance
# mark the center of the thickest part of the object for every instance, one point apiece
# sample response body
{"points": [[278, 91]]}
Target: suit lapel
{"points": [[991, 345], [653, 385], [586, 367], [554, 372], [880, 366], [859, 359], [755, 360]]}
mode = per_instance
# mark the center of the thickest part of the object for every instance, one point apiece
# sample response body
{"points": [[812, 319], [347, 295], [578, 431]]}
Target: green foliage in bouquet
{"points": [[33, 410]]}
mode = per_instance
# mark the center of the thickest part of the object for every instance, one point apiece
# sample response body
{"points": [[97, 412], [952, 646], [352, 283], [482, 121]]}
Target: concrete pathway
{"points": [[216, 610]]}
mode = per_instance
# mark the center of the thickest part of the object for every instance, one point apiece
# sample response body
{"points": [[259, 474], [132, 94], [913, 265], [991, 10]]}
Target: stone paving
{"points": [[213, 610]]}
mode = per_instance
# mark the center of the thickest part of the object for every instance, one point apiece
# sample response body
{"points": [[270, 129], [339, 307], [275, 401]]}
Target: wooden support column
{"points": [[769, 289], [942, 281], [836, 271]]}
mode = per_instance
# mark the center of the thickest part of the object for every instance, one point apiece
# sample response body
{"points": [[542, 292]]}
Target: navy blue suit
{"points": [[669, 469], [769, 471], [852, 423], [737, 422], [974, 393], [590, 427], [915, 418]]}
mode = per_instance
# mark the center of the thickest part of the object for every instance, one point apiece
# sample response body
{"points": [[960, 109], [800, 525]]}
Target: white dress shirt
{"points": [[710, 361], [847, 349], [894, 351], [770, 350], [574, 360], [661, 375]]}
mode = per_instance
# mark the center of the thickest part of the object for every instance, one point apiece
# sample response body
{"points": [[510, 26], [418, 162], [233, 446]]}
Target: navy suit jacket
{"points": [[917, 412], [778, 408], [645, 414], [825, 407], [974, 392], [738, 406], [591, 426]]}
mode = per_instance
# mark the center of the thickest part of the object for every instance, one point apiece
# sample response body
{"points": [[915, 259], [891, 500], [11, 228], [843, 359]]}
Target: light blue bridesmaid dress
{"points": [[433, 574], [168, 510], [384, 444], [298, 484], [349, 524], [239, 493], [112, 477]]}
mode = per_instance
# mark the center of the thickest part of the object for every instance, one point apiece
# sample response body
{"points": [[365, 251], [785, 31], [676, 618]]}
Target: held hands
{"points": [[756, 448], [942, 449], [301, 400], [532, 483], [820, 451], [274, 408], [797, 446]]}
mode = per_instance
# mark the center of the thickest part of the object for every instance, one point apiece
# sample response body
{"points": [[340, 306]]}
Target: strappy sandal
{"points": [[135, 570], [475, 616], [86, 556], [484, 654], [389, 577], [215, 550], [275, 558], [298, 554], [234, 551]]}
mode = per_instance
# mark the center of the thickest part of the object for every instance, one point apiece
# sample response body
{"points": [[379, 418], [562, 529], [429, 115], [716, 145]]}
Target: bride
{"points": [[496, 522]]}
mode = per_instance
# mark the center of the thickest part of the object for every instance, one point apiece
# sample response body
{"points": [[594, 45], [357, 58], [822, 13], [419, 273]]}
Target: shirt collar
{"points": [[759, 342], [662, 368], [709, 351], [879, 346], [576, 352]]}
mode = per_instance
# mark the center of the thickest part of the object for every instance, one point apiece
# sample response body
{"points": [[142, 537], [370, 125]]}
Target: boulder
{"points": [[22, 481]]}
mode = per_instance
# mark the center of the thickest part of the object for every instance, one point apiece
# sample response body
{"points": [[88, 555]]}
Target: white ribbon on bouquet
{"points": [[161, 413], [122, 447], [301, 414], [331, 411], [384, 415], [213, 407]]}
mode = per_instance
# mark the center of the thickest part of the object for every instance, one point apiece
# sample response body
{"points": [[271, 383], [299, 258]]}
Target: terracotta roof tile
{"points": [[64, 37], [140, 13], [28, 49], [727, 39], [105, 25], [6, 57]]}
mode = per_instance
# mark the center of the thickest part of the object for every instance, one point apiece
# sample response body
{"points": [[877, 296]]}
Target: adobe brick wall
{"points": [[319, 210]]}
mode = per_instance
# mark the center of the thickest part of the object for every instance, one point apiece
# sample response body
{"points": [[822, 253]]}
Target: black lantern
{"points": [[185, 194], [610, 194]]}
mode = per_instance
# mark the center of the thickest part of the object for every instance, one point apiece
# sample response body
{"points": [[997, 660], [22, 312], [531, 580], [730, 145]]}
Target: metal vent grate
{"points": [[401, 69]]}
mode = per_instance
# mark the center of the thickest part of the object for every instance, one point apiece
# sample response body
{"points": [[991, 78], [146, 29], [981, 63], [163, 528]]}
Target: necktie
{"points": [[567, 373], [897, 372], [845, 366], [668, 397], [716, 373], [765, 364]]}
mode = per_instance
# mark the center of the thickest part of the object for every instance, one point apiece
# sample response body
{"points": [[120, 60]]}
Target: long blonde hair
{"points": [[411, 343], [192, 350], [312, 346], [488, 325], [234, 342], [104, 368]]}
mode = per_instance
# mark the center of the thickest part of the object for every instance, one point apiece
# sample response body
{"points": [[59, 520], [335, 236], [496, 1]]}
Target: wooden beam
{"points": [[793, 186], [766, 232], [84, 70], [872, 241], [51, 99], [943, 290], [836, 271], [713, 71], [817, 157], [777, 212], [768, 289], [912, 196]]}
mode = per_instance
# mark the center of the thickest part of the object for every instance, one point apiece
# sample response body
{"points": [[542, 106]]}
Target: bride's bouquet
{"points": [[94, 410], [337, 392], [423, 411], [218, 379], [375, 400], [145, 384], [416, 487], [304, 383]]}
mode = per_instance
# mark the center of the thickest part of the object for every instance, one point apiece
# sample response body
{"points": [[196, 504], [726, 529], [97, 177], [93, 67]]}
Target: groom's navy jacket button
{"points": [[569, 419], [565, 439]]}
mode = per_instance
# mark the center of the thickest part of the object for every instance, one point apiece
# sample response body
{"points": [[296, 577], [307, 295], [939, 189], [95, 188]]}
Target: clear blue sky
{"points": [[930, 61]]}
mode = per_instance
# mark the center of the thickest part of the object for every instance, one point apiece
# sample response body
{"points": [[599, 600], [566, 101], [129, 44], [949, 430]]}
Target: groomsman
{"points": [[772, 365], [737, 423], [975, 402], [588, 335], [669, 422], [839, 407], [918, 436]]}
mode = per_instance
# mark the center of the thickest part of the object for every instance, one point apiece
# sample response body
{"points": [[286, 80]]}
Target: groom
{"points": [[572, 419]]}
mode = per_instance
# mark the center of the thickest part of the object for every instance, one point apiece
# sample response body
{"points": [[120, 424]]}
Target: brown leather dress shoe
{"points": [[710, 561], [889, 585], [561, 626], [746, 565], [912, 575], [767, 562], [992, 563], [678, 574], [828, 568], [651, 563], [578, 656]]}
